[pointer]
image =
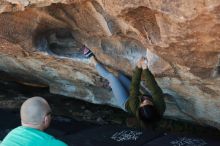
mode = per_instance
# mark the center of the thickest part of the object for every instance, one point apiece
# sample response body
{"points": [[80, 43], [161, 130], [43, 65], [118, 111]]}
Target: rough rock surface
{"points": [[40, 41]]}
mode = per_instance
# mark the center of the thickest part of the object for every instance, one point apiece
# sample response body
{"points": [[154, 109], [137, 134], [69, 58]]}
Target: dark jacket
{"points": [[133, 103]]}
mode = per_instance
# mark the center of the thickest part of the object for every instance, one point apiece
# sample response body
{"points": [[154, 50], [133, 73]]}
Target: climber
{"points": [[147, 108], [35, 116]]}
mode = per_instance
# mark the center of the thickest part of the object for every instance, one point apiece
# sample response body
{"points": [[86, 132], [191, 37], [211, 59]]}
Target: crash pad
{"points": [[183, 140], [112, 135]]}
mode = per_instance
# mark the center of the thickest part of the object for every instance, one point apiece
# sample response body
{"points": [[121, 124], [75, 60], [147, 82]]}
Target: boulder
{"points": [[40, 43]]}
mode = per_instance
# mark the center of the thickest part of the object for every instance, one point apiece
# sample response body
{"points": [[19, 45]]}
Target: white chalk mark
{"points": [[126, 135], [183, 141]]}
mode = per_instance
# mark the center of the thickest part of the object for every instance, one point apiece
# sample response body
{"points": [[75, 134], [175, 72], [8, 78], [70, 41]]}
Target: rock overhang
{"points": [[180, 39]]}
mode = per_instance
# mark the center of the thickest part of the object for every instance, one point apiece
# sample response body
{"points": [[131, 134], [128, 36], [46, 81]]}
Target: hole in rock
{"points": [[216, 72], [59, 42]]}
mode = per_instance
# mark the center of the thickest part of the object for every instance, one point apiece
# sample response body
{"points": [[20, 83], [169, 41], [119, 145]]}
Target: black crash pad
{"points": [[112, 136], [183, 140], [61, 126]]}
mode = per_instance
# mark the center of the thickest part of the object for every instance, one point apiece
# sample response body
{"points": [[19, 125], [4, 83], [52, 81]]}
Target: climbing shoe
{"points": [[87, 52]]}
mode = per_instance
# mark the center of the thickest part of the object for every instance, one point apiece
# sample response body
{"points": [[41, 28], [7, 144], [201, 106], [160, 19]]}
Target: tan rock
{"points": [[40, 43]]}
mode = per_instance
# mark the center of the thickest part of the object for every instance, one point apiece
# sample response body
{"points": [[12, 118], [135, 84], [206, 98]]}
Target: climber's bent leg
{"points": [[126, 82], [120, 93]]}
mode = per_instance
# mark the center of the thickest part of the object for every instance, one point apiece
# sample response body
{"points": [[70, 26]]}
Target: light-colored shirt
{"points": [[25, 136]]}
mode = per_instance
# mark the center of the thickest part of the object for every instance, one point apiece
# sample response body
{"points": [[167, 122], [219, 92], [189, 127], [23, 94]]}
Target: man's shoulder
{"points": [[15, 130], [9, 138], [29, 136]]}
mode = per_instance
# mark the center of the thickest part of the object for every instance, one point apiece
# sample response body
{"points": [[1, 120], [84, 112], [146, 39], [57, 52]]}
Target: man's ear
{"points": [[46, 121]]}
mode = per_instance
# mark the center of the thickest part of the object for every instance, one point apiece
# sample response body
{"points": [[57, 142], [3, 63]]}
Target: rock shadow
{"points": [[58, 42]]}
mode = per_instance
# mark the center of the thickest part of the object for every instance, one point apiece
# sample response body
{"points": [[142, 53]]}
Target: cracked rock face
{"points": [[40, 43]]}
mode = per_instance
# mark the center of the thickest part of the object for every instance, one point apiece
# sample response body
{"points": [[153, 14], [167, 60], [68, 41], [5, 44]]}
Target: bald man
{"points": [[35, 118]]}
